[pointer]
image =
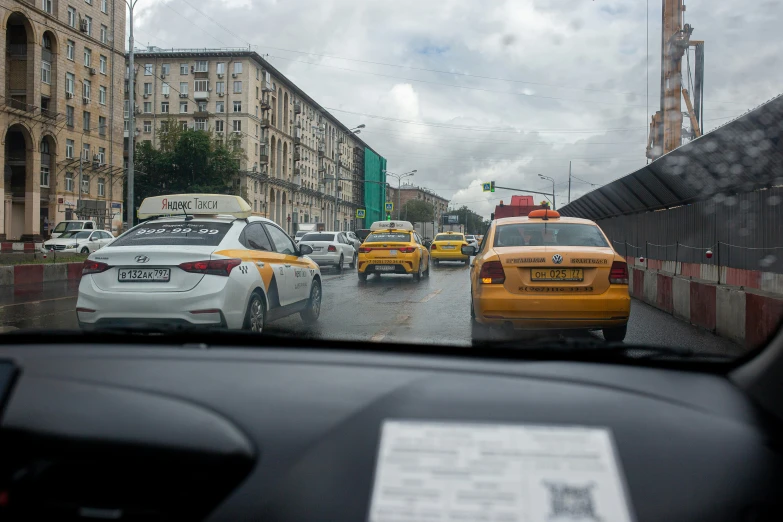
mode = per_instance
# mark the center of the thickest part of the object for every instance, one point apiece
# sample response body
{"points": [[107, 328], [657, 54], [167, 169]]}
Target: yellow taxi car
{"points": [[548, 272], [393, 247], [447, 246]]}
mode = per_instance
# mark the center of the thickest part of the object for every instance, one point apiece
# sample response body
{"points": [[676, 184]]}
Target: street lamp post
{"points": [[399, 185], [131, 116], [554, 204]]}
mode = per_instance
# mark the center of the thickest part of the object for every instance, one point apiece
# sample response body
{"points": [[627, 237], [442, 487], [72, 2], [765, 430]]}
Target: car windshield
{"points": [[318, 237], [454, 172]]}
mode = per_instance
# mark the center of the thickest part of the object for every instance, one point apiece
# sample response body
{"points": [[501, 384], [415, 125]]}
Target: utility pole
{"points": [[337, 181], [399, 185], [569, 182], [131, 121]]}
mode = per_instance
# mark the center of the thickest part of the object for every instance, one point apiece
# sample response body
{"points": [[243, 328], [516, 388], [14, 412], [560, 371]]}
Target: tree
{"points": [[418, 211], [186, 161]]}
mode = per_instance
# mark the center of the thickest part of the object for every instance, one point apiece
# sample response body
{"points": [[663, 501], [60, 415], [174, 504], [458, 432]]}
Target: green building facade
{"points": [[374, 193]]}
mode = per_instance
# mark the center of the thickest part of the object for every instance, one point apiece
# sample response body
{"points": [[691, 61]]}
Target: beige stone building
{"points": [[62, 128], [291, 144], [409, 192]]}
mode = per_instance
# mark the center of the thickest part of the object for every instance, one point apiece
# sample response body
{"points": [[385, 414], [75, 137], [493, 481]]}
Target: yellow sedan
{"points": [[393, 247], [448, 247], [548, 272]]}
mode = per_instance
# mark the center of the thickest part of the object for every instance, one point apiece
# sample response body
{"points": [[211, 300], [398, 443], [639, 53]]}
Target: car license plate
{"points": [[384, 268], [557, 274], [144, 275], [316, 249], [393, 252], [449, 248]]}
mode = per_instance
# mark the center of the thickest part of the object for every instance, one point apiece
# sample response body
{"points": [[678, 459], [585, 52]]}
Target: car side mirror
{"points": [[305, 250], [468, 250], [93, 239]]}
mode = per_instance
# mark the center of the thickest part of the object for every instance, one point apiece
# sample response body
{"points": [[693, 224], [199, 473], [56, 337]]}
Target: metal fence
{"points": [[742, 231]]}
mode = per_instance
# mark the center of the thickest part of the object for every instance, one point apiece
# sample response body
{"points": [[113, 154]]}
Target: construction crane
{"points": [[666, 126]]}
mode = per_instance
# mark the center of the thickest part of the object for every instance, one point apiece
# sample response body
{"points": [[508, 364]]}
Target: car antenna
{"points": [[187, 218]]}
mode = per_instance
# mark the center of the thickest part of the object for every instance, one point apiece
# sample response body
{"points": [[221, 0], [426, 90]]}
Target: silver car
{"points": [[330, 248]]}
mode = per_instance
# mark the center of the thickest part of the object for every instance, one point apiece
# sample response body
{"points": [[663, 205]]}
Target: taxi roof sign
{"points": [[194, 205], [544, 213], [392, 225]]}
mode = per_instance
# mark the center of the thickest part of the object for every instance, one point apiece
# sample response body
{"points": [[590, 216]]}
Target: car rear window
{"points": [[449, 237], [185, 233], [546, 234], [318, 237], [384, 237]]}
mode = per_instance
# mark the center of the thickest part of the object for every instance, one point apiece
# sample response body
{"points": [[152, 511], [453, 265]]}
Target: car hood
{"points": [[64, 241]]}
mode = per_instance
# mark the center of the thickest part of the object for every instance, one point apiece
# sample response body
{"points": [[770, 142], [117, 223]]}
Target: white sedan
{"points": [[199, 260], [79, 241], [330, 248]]}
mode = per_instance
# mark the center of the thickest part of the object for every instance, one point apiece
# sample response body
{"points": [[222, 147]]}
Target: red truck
{"points": [[520, 206]]}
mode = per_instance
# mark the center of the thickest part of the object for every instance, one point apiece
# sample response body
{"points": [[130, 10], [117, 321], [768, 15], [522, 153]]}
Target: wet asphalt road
{"points": [[391, 308]]}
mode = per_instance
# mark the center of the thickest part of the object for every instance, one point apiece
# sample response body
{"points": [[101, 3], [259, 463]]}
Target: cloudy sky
{"points": [[467, 91]]}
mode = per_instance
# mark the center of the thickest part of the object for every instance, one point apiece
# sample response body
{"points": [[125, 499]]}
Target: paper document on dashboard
{"points": [[433, 471]]}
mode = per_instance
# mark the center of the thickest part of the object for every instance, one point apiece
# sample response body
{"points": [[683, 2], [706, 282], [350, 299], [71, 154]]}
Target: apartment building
{"points": [[294, 150], [410, 192], [62, 147]]}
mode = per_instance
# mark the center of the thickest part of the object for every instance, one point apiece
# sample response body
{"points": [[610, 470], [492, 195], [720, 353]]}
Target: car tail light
{"points": [[220, 267], [332, 248], [364, 250], [93, 267], [618, 275], [492, 273], [433, 247], [408, 250]]}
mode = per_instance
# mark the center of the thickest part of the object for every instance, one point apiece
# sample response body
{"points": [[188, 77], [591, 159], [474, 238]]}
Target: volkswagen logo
{"points": [[142, 259], [557, 259]]}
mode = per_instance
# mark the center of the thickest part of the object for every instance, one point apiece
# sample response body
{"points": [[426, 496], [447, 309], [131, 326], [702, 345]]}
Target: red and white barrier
{"points": [[37, 274]]}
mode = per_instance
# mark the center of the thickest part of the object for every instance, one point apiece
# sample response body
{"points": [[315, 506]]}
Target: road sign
{"points": [[361, 213], [389, 206], [486, 187]]}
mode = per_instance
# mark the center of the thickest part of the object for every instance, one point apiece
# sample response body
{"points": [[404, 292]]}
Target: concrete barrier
{"points": [[681, 298], [37, 274], [730, 313]]}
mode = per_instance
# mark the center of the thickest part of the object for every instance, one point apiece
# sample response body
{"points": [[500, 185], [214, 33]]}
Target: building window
{"points": [[237, 67], [183, 87], [183, 125], [85, 183], [147, 89], [87, 57], [201, 124], [147, 107], [127, 109], [101, 187], [69, 181], [200, 85], [147, 127], [47, 6], [219, 125], [86, 120], [165, 68], [88, 1], [237, 87], [88, 25], [105, 6], [183, 107], [44, 163], [102, 64], [101, 155], [220, 67], [201, 66], [237, 106], [220, 107], [86, 152], [104, 34], [255, 146], [256, 130], [148, 69], [202, 106], [69, 115], [165, 89], [237, 125], [69, 49], [46, 72], [102, 125], [183, 69], [220, 87], [86, 89], [102, 95], [164, 107], [69, 149], [71, 16]]}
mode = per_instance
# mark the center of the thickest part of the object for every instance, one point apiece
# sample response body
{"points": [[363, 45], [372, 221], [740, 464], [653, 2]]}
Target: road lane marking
{"points": [[38, 302], [383, 332], [430, 296]]}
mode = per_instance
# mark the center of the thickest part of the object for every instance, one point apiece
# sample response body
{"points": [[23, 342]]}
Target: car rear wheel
{"points": [[616, 334], [310, 314], [353, 262], [255, 317], [362, 277], [417, 275], [340, 264], [478, 331]]}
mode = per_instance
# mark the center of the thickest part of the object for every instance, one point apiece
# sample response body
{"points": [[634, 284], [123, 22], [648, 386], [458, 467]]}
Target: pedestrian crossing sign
{"points": [[389, 206], [361, 213], [488, 187]]}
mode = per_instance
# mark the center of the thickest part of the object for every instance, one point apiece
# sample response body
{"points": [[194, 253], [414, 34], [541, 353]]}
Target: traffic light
{"points": [[388, 216], [492, 186]]}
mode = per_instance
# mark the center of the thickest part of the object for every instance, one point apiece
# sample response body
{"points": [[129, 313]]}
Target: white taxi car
{"points": [[199, 260], [78, 241]]}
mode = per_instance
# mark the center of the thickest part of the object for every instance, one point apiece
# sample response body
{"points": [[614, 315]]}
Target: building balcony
{"points": [[263, 158], [265, 105], [201, 95], [297, 108], [201, 114], [17, 50], [297, 156], [297, 140], [265, 123]]}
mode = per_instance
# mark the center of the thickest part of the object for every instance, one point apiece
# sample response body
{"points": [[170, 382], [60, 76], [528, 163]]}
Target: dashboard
{"points": [[145, 432]]}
